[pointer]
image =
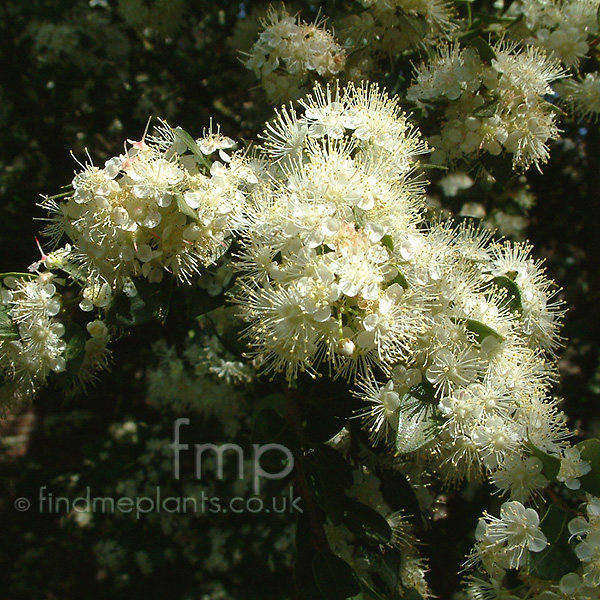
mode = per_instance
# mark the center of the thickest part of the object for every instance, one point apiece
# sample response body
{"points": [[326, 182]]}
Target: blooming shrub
{"points": [[333, 304]]}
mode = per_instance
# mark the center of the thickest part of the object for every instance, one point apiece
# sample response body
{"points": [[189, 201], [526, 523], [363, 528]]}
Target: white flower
{"points": [[510, 536], [572, 468], [448, 369], [520, 476]]}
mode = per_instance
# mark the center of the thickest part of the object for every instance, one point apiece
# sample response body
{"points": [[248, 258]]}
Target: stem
{"points": [[295, 418]]}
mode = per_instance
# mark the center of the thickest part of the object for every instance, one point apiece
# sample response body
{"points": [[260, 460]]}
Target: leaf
{"points": [[385, 566], [328, 492], [74, 354], [414, 431], [388, 242], [400, 279], [334, 465], [322, 425], [8, 328], [199, 301], [304, 578], [270, 428], [483, 48], [412, 594], [335, 578], [557, 559], [424, 392], [481, 330], [276, 402], [191, 144], [156, 296], [550, 464], [185, 208], [128, 311], [366, 523], [513, 293], [590, 452]]}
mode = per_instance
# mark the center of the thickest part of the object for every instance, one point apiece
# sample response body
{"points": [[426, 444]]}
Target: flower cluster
{"points": [[561, 27], [338, 269], [35, 341], [582, 96], [492, 107], [154, 209], [391, 26], [32, 343], [504, 543], [587, 533], [323, 267], [288, 53], [474, 392], [508, 543]]}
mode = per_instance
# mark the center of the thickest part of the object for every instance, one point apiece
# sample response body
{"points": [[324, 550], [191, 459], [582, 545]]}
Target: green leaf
{"points": [[400, 279], [156, 296], [304, 578], [424, 392], [276, 402], [185, 208], [18, 275], [335, 578], [322, 424], [327, 491], [553, 108], [483, 48], [557, 559], [334, 465], [74, 355], [366, 523], [385, 566], [487, 110], [414, 431], [269, 427], [358, 218], [189, 141], [494, 19], [128, 311], [8, 328], [481, 330], [199, 301], [412, 594], [550, 464], [590, 452], [388, 242], [513, 293]]}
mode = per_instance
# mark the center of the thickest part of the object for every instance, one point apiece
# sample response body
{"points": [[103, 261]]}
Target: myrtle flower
{"points": [[492, 107], [149, 212], [386, 27], [520, 476], [289, 52], [560, 28], [318, 251], [572, 468], [582, 96], [32, 344], [510, 537]]}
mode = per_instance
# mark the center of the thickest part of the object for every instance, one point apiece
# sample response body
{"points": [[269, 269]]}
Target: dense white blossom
{"points": [[289, 51], [151, 211], [493, 107]]}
